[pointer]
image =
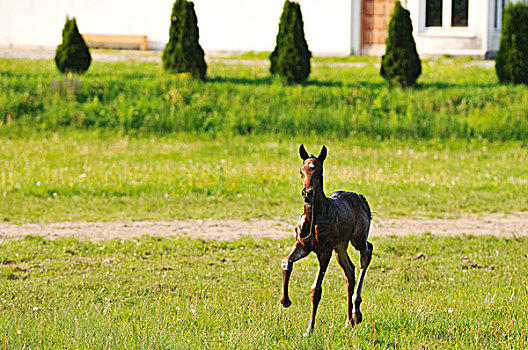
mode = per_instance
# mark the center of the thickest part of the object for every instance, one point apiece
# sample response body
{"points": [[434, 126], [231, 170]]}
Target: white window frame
{"points": [[498, 15], [446, 29]]}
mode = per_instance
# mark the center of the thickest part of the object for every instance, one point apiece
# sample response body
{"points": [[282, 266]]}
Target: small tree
{"points": [[72, 55], [401, 64], [512, 59], [291, 57], [183, 53]]}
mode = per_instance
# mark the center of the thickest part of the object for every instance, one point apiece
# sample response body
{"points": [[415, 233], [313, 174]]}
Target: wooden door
{"points": [[375, 16]]}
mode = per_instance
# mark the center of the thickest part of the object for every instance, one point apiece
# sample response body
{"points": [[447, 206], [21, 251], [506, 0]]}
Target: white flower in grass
{"points": [[82, 176], [19, 331], [35, 308], [450, 310], [38, 183]]}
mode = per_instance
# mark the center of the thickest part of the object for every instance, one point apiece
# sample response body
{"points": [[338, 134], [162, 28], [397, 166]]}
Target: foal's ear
{"points": [[302, 152], [322, 154]]}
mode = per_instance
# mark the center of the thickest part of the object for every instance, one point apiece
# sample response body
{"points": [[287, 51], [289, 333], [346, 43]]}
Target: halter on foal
{"points": [[329, 223]]}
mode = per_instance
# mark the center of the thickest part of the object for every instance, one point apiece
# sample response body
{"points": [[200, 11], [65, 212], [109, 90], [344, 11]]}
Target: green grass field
{"points": [[153, 293], [129, 142]]}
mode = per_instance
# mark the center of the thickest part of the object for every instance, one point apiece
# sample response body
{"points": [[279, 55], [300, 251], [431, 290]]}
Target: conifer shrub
{"points": [[401, 64], [72, 55], [291, 57], [511, 63], [183, 53]]}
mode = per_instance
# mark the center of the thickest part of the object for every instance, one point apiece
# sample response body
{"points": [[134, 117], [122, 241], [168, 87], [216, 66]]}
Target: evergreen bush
{"points": [[291, 57], [72, 55], [401, 64], [512, 59], [183, 53]]}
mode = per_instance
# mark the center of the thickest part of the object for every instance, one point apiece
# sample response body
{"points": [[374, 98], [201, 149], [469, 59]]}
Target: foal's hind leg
{"points": [[298, 252], [350, 278], [366, 256]]}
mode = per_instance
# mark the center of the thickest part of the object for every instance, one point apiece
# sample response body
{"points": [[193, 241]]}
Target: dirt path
{"points": [[484, 224]]}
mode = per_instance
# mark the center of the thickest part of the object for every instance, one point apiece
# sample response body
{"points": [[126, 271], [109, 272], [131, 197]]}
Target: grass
{"points": [[454, 99], [130, 142], [87, 176], [153, 293]]}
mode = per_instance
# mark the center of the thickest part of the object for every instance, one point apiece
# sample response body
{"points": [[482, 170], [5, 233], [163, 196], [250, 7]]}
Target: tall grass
{"points": [[454, 99]]}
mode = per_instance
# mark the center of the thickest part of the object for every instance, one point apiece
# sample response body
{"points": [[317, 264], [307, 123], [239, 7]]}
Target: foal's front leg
{"points": [[298, 252], [316, 290]]}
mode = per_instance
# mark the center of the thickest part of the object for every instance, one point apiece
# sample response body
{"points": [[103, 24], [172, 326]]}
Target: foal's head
{"points": [[311, 173]]}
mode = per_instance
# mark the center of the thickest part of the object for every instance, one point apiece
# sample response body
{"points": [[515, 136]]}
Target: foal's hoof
{"points": [[357, 318], [285, 303]]}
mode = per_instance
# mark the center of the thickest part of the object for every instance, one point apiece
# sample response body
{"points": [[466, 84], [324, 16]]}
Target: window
{"points": [[433, 13], [459, 13], [455, 11]]}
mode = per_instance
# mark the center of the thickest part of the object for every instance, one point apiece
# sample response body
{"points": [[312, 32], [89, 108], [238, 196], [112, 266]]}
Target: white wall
{"points": [[234, 25]]}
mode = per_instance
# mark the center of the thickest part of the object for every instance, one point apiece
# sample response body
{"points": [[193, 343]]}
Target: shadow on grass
{"points": [[445, 86], [269, 80], [257, 81], [120, 75]]}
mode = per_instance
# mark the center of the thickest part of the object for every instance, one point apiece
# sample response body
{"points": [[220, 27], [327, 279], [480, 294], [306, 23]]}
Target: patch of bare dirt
{"points": [[483, 224]]}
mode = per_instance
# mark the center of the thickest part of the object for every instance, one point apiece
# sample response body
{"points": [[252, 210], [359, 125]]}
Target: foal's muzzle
{"points": [[307, 195]]}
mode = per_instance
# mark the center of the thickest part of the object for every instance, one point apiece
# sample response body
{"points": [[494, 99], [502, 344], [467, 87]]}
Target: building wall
{"points": [[331, 26], [231, 25]]}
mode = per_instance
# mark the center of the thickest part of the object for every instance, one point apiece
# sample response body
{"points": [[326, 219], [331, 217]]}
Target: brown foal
{"points": [[329, 223]]}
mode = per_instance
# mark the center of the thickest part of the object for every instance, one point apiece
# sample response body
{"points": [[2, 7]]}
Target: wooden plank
{"points": [[103, 40]]}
